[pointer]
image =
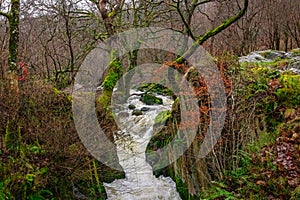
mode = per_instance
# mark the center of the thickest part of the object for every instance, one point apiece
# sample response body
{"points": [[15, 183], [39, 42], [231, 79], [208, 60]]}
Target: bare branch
{"points": [[224, 25], [203, 2], [214, 32], [186, 24]]}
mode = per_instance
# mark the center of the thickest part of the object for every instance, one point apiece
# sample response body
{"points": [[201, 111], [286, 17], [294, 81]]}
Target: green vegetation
{"points": [[296, 194], [267, 117], [296, 52], [150, 99], [43, 157], [258, 153], [155, 88], [162, 117], [260, 174], [46, 159], [115, 71]]}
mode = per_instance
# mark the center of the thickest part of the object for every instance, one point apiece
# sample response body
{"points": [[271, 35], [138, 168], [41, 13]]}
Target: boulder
{"points": [[137, 112], [131, 107], [145, 109], [150, 99]]}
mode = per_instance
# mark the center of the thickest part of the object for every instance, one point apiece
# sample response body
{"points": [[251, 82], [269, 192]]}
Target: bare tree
{"points": [[186, 10], [241, 37], [56, 36]]}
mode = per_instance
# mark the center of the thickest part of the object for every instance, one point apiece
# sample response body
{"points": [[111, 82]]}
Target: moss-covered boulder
{"points": [[285, 61], [150, 99], [295, 52], [155, 88], [137, 112], [131, 107]]}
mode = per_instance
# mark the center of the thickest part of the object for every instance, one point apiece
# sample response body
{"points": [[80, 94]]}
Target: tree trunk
{"points": [[11, 87], [13, 19], [115, 71]]}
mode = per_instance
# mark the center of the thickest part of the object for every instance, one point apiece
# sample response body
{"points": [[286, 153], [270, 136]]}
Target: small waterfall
{"points": [[140, 183]]}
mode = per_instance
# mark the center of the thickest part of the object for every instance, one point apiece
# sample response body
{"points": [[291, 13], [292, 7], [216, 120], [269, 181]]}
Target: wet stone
{"points": [[131, 107], [145, 109], [137, 112]]}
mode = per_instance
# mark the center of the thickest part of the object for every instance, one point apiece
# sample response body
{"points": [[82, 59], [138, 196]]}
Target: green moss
{"points": [[137, 112], [290, 81], [12, 138], [264, 139], [113, 76], [162, 117], [131, 107], [155, 88], [296, 52], [70, 98], [115, 72], [182, 188], [289, 94], [150, 99], [265, 72], [56, 91], [296, 194], [104, 100]]}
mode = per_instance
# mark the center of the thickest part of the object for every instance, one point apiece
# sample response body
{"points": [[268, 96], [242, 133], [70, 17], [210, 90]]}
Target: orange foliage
{"points": [[200, 90]]}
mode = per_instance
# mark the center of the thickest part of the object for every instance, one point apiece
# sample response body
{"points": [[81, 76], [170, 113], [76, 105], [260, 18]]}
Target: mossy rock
{"points": [[155, 88], [273, 54], [131, 107], [137, 112], [150, 99], [295, 52]]}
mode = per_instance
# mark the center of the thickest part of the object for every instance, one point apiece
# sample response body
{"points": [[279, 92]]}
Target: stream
{"points": [[131, 142]]}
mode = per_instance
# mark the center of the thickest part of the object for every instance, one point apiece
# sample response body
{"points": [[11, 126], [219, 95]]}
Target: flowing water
{"points": [[135, 134]]}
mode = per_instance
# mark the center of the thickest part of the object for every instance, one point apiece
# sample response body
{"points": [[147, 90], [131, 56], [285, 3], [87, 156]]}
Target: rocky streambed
{"points": [[136, 118]]}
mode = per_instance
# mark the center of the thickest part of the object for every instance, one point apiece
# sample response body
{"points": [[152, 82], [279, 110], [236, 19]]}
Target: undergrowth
{"points": [[50, 161], [257, 157]]}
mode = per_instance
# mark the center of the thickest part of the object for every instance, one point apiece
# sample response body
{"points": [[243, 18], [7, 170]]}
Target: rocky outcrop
{"points": [[284, 61]]}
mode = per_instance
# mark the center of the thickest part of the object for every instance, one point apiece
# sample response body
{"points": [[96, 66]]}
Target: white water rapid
{"points": [[140, 183]]}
